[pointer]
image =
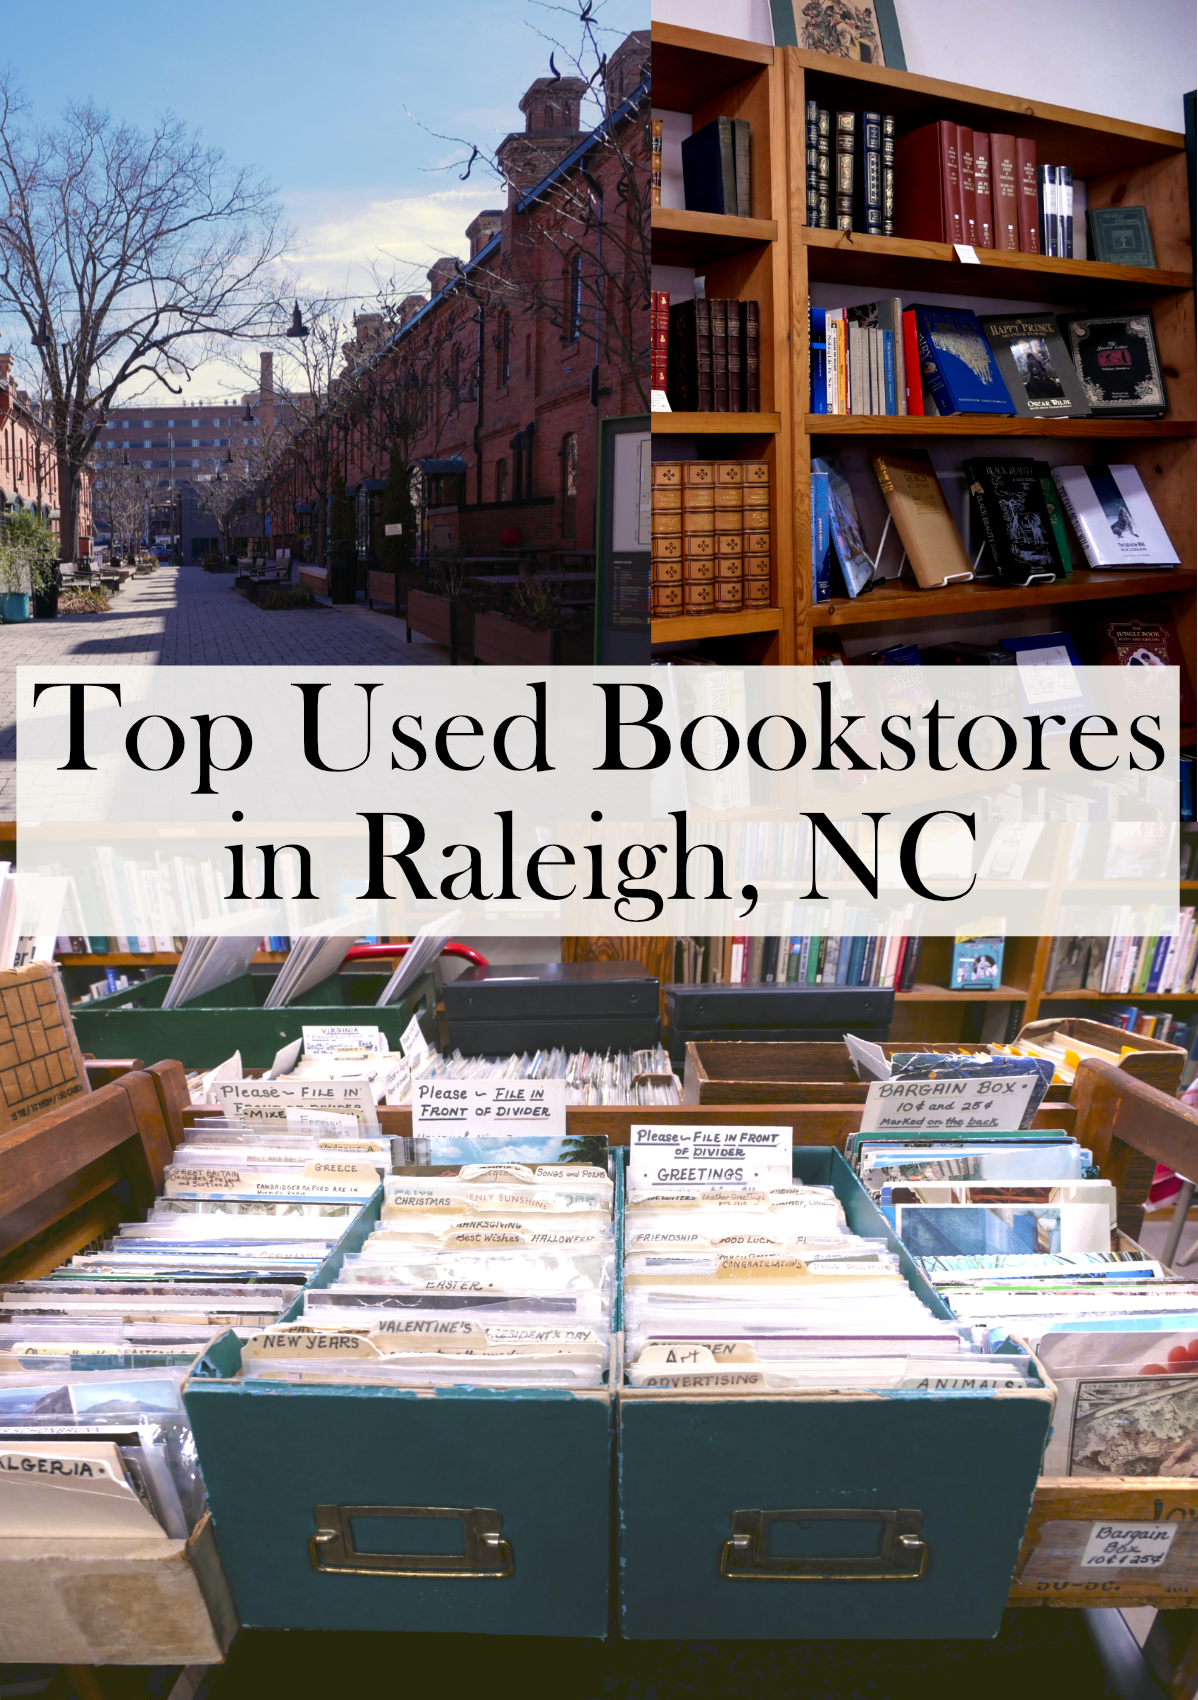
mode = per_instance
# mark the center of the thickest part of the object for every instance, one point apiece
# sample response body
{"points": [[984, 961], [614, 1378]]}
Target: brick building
{"points": [[518, 351], [178, 448], [28, 462]]}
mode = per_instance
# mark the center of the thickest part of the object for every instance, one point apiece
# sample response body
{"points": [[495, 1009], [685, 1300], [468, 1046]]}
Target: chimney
{"points": [[410, 306], [481, 230], [440, 273], [6, 364], [266, 380], [627, 67], [551, 110], [369, 327]]}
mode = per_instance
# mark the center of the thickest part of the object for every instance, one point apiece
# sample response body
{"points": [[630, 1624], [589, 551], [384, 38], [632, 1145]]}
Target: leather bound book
{"points": [[983, 194], [1004, 192], [927, 185], [655, 165], [922, 519], [1027, 199], [969, 202], [719, 355], [888, 224], [870, 175], [682, 372], [846, 147], [659, 333], [736, 359], [740, 162], [709, 168], [750, 356]]}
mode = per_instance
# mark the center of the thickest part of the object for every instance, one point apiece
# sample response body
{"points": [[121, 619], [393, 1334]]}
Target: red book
{"points": [[659, 339], [982, 189], [927, 185], [1004, 193], [1027, 201], [911, 363], [969, 200]]}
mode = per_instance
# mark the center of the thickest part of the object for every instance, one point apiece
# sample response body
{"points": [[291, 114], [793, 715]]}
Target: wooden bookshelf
{"points": [[747, 259], [708, 76], [1119, 163]]}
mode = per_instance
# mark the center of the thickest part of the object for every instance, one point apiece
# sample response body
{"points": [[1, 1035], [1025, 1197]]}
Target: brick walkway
{"points": [[183, 616]]}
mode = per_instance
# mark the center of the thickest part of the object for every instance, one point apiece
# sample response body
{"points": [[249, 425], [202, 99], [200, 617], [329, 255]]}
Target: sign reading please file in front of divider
{"points": [[451, 1106]]}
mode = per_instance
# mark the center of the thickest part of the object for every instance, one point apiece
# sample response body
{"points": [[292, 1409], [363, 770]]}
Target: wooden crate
{"points": [[816, 1071], [1154, 1061]]}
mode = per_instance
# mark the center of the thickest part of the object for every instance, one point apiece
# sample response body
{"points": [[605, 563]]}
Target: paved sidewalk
{"points": [[183, 616]]}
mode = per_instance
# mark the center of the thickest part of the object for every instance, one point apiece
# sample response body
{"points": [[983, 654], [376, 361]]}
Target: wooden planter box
{"points": [[506, 643], [442, 619]]}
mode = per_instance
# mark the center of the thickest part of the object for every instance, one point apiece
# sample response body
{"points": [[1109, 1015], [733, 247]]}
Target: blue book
{"points": [[1158, 961], [821, 539], [857, 960], [957, 364], [819, 360], [709, 169], [888, 371]]}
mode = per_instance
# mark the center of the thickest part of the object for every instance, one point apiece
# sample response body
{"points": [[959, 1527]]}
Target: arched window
{"points": [[574, 299], [569, 454]]}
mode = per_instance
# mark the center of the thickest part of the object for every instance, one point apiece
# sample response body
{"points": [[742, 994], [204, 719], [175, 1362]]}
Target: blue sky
{"points": [[314, 96]]}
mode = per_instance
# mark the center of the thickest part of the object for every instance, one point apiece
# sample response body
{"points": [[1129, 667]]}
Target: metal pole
{"points": [[1181, 1213]]}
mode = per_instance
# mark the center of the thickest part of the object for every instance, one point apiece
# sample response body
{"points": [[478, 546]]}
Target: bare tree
{"points": [[119, 496], [126, 254]]}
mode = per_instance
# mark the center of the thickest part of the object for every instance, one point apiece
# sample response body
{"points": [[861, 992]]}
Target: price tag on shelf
{"points": [[966, 254], [659, 402]]}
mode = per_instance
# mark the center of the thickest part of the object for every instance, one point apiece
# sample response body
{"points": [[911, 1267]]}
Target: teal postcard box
{"points": [[210, 1028], [793, 1516], [461, 1510]]}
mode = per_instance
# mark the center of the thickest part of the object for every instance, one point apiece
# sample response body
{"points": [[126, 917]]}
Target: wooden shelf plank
{"points": [[716, 424], [902, 602], [1119, 997], [836, 256], [694, 238], [923, 993], [985, 425], [692, 67], [689, 628]]}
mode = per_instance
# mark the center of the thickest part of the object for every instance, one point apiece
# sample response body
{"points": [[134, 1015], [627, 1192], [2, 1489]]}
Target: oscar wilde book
{"points": [[1037, 366], [1007, 497], [1113, 516], [928, 185], [958, 367], [922, 520], [1004, 190], [709, 169], [1116, 358]]}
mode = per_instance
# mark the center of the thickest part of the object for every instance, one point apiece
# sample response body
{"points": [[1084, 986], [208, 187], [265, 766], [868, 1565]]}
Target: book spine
{"points": [[743, 190], [846, 147], [950, 182], [910, 964], [929, 368], [1026, 197], [911, 363], [824, 166], [736, 377], [812, 163], [682, 387], [982, 189], [871, 173], [1082, 532], [818, 360], [888, 226], [727, 166], [821, 588], [969, 201], [704, 393], [1046, 190], [719, 354], [1004, 190], [659, 328], [655, 163], [736, 973], [750, 318], [891, 394], [858, 394], [1065, 212], [833, 330]]}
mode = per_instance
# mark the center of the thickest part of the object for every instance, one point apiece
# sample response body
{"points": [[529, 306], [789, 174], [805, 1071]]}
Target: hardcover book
{"points": [[742, 173], [1056, 519], [1117, 362], [957, 364], [928, 185], [690, 388], [922, 519], [1004, 189], [1120, 236], [977, 964], [709, 169], [1007, 498], [983, 193], [1027, 201], [1131, 642], [1036, 366], [750, 319], [1113, 516], [821, 538]]}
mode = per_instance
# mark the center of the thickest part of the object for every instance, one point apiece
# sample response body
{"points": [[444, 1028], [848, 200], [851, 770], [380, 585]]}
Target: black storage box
{"points": [[583, 1006], [762, 1012]]}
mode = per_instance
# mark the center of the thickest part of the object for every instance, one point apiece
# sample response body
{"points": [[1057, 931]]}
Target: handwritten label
{"points": [[1128, 1546], [323, 1041], [659, 402], [966, 254], [488, 1106], [412, 1041], [398, 1082], [271, 1100], [994, 1104], [709, 1157]]}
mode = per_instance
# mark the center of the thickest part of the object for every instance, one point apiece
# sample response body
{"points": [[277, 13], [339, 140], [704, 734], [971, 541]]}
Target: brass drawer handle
{"points": [[746, 1558], [332, 1548]]}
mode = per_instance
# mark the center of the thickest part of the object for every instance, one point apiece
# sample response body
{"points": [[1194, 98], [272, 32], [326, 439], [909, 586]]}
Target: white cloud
{"points": [[340, 240]]}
